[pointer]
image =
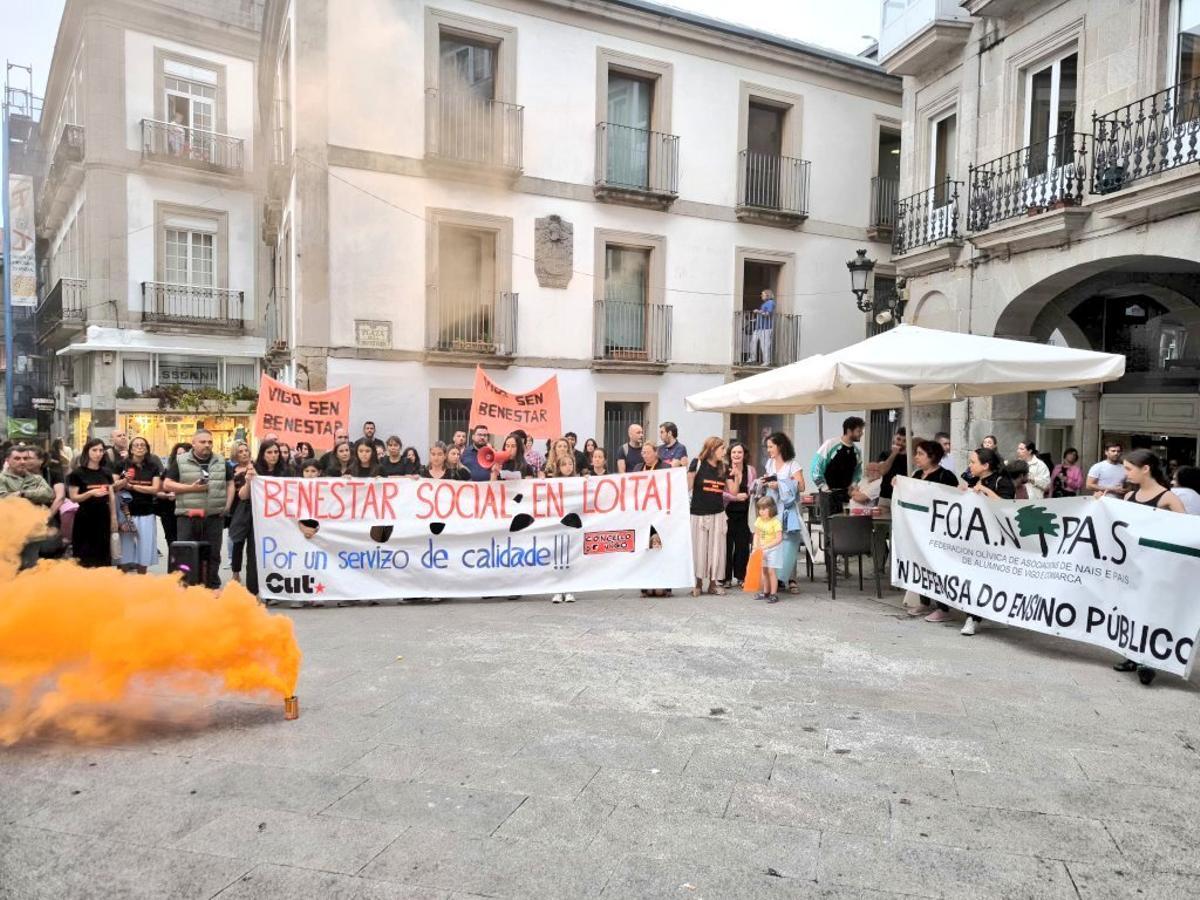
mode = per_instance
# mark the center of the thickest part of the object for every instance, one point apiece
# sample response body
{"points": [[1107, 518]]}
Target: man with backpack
{"points": [[629, 455], [837, 463]]}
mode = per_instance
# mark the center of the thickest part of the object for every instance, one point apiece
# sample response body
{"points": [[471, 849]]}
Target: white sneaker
{"points": [[570, 598], [558, 598], [968, 627]]}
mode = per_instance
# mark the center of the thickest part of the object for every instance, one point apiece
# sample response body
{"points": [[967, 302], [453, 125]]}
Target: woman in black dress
{"points": [[928, 458], [365, 464], [986, 466], [90, 485], [737, 511], [410, 464], [271, 464]]}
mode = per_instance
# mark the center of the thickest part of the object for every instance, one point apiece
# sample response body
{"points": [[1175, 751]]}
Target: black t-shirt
{"points": [[142, 504], [86, 479], [389, 469], [899, 467], [839, 471], [632, 456], [1001, 484], [939, 476], [708, 489]]}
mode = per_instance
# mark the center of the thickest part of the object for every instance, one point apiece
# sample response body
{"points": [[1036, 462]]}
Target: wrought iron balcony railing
{"points": [[192, 146], [927, 218], [632, 331], [633, 159], [885, 192], [191, 304], [775, 183], [1151, 135], [65, 304], [1048, 175], [765, 341], [480, 324], [464, 128]]}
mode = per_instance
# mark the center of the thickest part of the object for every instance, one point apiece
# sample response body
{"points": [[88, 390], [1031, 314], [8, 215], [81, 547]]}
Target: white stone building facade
{"points": [[148, 215], [1050, 190], [597, 191]]}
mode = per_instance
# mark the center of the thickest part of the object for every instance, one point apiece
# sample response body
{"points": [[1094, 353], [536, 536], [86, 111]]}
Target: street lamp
{"points": [[860, 273]]}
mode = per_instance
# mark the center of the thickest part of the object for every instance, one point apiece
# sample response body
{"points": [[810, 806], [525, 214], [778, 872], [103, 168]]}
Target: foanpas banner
{"points": [[1107, 572], [328, 539]]}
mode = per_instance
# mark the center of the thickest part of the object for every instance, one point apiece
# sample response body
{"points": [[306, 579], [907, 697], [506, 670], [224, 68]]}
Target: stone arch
{"points": [[933, 310]]}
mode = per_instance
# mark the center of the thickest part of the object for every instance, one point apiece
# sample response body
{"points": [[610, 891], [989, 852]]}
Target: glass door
{"points": [[630, 102], [626, 289]]}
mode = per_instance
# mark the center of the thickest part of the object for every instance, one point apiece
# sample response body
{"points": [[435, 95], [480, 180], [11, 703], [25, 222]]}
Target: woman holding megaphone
{"points": [[507, 462]]}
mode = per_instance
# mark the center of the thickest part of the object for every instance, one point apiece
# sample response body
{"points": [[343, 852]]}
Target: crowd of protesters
{"points": [[107, 501]]}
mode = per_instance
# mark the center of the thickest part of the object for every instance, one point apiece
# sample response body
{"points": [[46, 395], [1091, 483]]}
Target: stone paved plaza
{"points": [[622, 747]]}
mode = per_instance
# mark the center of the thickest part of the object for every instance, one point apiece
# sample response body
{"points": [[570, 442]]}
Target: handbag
{"points": [[241, 522]]}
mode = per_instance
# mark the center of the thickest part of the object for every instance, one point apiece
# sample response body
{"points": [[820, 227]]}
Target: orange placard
{"points": [[752, 583], [296, 415], [535, 412]]}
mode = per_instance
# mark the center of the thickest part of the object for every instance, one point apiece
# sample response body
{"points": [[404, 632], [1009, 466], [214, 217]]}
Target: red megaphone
{"points": [[487, 457]]}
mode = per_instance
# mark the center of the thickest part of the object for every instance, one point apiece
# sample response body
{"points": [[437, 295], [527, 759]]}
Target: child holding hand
{"points": [[768, 537]]}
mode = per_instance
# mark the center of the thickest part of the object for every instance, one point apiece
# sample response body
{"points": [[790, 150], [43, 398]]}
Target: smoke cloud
{"points": [[92, 653]]}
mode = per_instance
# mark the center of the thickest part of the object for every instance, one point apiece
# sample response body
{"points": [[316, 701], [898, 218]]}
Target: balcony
{"points": [[194, 147], [636, 167], [63, 178], [63, 311], [916, 34], [764, 342], [926, 237], [467, 131], [772, 190], [1039, 189], [1146, 155], [885, 192], [473, 325], [216, 309], [993, 9], [631, 334]]}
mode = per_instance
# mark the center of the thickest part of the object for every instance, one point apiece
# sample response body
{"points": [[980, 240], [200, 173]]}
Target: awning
{"points": [[132, 340]]}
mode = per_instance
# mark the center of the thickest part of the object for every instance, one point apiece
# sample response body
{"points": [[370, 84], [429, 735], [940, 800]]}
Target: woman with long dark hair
{"points": [[410, 463], [783, 481], [270, 463], [589, 449], [90, 485], [738, 538], [1143, 471], [302, 453], [707, 480], [515, 466], [143, 478], [340, 459], [365, 463], [927, 455], [986, 469]]}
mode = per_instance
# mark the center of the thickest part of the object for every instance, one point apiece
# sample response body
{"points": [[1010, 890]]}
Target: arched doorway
{"points": [[1145, 308]]}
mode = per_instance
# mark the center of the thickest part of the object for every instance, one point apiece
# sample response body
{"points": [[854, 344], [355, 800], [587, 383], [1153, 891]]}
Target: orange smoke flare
{"points": [[83, 649]]}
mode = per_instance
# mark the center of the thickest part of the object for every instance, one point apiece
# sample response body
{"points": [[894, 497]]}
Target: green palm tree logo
{"points": [[1036, 520]]}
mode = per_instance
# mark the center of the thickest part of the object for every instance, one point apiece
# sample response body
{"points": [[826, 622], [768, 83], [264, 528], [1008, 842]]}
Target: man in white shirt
{"points": [[865, 494], [947, 462], [1108, 475]]}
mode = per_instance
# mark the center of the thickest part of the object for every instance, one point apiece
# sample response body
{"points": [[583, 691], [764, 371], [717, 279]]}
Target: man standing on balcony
{"points": [[764, 327]]}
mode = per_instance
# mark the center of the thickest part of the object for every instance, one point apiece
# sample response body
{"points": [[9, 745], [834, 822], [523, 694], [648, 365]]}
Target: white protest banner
{"points": [[379, 538], [22, 266], [1106, 572]]}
